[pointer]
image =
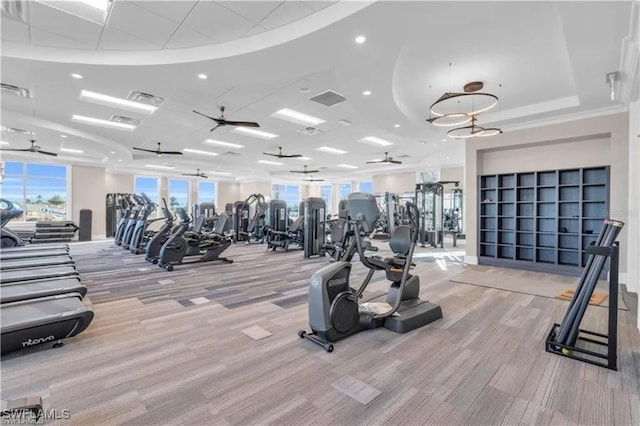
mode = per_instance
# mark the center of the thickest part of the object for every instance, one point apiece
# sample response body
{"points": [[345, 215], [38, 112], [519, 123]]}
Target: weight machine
{"points": [[433, 222]]}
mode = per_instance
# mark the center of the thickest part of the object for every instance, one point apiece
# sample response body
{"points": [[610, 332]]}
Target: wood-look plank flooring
{"points": [[172, 348]]}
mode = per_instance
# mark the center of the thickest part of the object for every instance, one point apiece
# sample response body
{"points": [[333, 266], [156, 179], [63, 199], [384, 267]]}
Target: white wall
{"points": [[257, 187], [118, 183], [227, 193], [452, 174], [395, 182], [88, 192], [581, 143]]}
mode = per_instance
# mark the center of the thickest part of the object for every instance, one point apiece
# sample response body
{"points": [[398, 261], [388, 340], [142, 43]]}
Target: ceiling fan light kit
{"points": [[458, 108]]}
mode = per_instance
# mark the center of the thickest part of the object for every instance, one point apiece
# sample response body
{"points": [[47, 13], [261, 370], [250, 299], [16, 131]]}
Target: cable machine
{"points": [[430, 202]]}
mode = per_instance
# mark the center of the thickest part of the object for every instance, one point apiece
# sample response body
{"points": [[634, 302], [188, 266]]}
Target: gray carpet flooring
{"points": [[216, 344]]}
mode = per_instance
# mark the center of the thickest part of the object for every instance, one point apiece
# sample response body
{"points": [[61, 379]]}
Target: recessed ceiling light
{"points": [[76, 75], [119, 161], [113, 152], [448, 158], [375, 140], [197, 151], [103, 123], [220, 173], [101, 99], [4, 143], [331, 150], [443, 140], [297, 117], [366, 92], [72, 151], [360, 39], [256, 133], [227, 144], [396, 125], [202, 76], [274, 163], [347, 166], [305, 90], [155, 166], [63, 136]]}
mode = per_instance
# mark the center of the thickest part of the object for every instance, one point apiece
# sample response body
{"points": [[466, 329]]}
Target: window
{"points": [[288, 193], [149, 186], [206, 192], [178, 194], [344, 189], [366, 187], [325, 193], [39, 189]]}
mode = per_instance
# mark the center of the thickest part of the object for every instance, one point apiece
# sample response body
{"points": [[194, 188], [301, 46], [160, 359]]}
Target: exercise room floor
{"points": [[173, 347]]}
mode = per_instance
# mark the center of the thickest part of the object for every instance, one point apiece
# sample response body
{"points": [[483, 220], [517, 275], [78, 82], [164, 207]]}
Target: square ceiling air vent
{"points": [[9, 89], [124, 120], [145, 98], [328, 98], [310, 131]]}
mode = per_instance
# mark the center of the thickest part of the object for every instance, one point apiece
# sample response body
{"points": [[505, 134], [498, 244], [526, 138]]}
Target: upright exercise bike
{"points": [[334, 311]]}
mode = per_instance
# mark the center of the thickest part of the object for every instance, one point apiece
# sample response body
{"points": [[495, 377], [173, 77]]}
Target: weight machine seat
{"points": [[400, 244]]}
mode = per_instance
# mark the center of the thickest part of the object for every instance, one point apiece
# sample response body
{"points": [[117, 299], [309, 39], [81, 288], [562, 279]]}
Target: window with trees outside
{"points": [[326, 194], [366, 187], [344, 189], [39, 189], [178, 194], [207, 193], [288, 193]]}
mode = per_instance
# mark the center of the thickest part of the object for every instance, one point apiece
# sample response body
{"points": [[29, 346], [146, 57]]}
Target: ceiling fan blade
{"points": [[217, 120], [171, 152], [189, 174], [16, 150], [146, 150], [395, 161], [240, 123], [375, 162], [204, 176], [290, 155], [273, 155], [53, 154]]}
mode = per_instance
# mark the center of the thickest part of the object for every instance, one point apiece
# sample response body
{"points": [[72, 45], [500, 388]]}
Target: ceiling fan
{"points": [[313, 180], [221, 121], [158, 151], [281, 155], [198, 173], [385, 160], [305, 171], [33, 148]]}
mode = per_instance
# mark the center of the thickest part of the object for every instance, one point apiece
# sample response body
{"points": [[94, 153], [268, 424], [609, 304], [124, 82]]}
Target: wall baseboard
{"points": [[471, 260]]}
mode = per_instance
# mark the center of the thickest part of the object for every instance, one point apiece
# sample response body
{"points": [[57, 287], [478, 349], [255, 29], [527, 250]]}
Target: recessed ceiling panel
{"points": [[141, 23], [186, 37], [65, 25], [288, 12], [217, 22], [174, 11], [113, 39], [255, 11]]}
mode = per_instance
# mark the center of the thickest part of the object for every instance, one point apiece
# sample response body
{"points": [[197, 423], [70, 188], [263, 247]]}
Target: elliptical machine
{"points": [[334, 311], [10, 211]]}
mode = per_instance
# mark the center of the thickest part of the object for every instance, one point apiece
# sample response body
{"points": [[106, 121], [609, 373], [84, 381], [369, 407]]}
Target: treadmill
{"points": [[14, 292], [17, 255], [37, 262], [28, 323], [38, 247], [16, 275]]}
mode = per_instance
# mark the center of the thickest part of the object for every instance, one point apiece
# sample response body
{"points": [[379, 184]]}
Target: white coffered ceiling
{"points": [[545, 60]]}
